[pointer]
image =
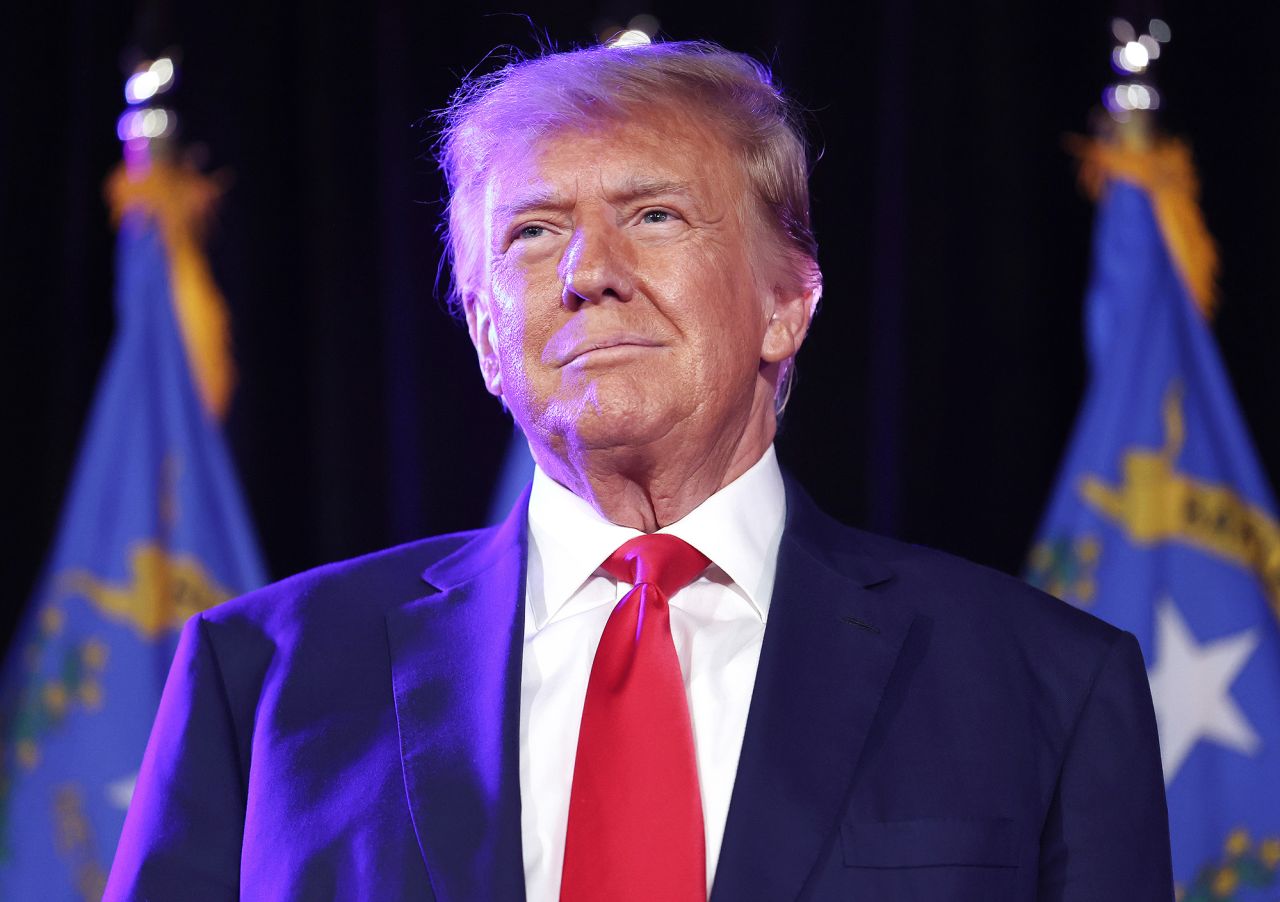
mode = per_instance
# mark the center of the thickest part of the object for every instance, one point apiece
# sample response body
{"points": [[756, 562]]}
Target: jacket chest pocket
{"points": [[931, 860]]}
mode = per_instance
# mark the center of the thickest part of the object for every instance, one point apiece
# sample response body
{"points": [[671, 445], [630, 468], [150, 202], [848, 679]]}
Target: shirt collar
{"points": [[738, 528]]}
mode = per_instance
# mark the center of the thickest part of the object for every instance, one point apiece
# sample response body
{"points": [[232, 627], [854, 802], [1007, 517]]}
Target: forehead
{"points": [[636, 155]]}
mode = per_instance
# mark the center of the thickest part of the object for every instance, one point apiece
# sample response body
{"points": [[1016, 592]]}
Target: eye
{"points": [[530, 231], [655, 217]]}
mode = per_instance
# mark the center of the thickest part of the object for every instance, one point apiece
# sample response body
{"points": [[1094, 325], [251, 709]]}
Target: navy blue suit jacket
{"points": [[921, 730]]}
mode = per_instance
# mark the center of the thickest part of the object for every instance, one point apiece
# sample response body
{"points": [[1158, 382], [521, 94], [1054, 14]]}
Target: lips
{"points": [[602, 343]]}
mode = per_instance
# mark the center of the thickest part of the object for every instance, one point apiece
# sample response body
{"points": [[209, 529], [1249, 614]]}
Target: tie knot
{"points": [[658, 559]]}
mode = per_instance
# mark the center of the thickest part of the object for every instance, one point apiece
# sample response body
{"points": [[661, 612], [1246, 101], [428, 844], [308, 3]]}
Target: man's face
{"points": [[632, 291]]}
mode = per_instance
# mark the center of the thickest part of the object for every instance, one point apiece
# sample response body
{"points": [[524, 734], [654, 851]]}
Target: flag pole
{"points": [[1162, 521], [155, 182], [153, 530]]}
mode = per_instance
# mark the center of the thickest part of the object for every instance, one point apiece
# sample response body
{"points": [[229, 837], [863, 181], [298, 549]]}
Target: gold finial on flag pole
{"points": [[1128, 147], [180, 200]]}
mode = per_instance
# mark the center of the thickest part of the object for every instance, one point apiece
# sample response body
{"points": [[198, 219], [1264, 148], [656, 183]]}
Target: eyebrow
{"points": [[532, 200], [642, 187], [632, 189]]}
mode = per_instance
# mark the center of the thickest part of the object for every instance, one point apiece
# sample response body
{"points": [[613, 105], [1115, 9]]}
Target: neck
{"points": [[647, 487]]}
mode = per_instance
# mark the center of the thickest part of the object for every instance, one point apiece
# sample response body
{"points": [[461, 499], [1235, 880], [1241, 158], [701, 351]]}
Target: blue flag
{"points": [[1162, 523], [153, 530]]}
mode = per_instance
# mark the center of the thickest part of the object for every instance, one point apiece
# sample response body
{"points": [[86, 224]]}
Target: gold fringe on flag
{"points": [[181, 201], [1163, 168]]}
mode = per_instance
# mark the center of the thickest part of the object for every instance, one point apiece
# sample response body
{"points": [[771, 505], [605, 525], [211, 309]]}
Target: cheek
{"points": [[525, 311], [508, 314], [722, 306]]}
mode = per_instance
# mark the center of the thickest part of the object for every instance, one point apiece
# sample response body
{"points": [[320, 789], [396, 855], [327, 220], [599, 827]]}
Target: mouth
{"points": [[606, 348]]}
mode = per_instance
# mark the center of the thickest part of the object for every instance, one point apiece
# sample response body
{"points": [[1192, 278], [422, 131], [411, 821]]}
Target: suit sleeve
{"points": [[183, 831], [1107, 833]]}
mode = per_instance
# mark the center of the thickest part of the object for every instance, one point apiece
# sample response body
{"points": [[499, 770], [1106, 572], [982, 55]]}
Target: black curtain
{"points": [[943, 374]]}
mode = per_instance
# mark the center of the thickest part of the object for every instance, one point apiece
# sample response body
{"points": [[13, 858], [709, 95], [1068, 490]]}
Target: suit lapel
{"points": [[455, 665], [829, 648]]}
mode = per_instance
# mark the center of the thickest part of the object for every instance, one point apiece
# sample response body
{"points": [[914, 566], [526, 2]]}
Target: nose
{"points": [[596, 267]]}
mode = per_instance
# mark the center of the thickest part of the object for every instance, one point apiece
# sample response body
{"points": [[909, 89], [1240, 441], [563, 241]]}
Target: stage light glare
{"points": [[1159, 30], [141, 86], [124, 125], [163, 71], [1129, 97], [1123, 31], [156, 123], [644, 22], [1134, 56], [136, 154], [632, 37], [1152, 46], [1116, 98]]}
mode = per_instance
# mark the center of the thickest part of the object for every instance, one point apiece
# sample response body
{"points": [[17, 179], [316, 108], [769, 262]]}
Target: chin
{"points": [[615, 416]]}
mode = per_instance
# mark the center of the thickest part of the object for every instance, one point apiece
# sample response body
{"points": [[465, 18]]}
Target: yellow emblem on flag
{"points": [[1245, 864], [164, 590], [1156, 503]]}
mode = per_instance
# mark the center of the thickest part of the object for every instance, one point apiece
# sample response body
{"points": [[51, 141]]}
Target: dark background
{"points": [[940, 383]]}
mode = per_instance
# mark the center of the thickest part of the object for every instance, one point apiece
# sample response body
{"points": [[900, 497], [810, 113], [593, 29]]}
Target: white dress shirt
{"points": [[717, 623]]}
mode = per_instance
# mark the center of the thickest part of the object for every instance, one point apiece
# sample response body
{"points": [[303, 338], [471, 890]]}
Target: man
{"points": [[667, 674]]}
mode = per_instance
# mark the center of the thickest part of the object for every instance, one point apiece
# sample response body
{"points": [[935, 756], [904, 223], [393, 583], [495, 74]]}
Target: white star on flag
{"points": [[1190, 687]]}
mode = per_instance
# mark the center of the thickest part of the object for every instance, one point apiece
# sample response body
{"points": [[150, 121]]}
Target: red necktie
{"points": [[635, 814]]}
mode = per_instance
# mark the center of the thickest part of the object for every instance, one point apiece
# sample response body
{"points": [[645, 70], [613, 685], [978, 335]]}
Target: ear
{"points": [[480, 327], [793, 308]]}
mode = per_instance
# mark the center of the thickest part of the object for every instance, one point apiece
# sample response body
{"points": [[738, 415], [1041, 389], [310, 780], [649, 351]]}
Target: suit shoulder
{"points": [[994, 632], [950, 586], [381, 579], [947, 588]]}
